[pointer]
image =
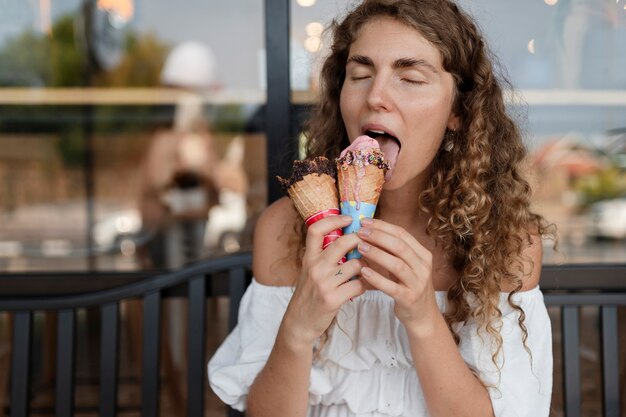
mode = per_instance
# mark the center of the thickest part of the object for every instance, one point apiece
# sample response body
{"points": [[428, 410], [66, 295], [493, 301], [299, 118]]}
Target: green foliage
{"points": [[57, 60], [606, 184], [228, 118], [141, 65], [25, 61], [34, 59], [71, 147], [67, 59]]}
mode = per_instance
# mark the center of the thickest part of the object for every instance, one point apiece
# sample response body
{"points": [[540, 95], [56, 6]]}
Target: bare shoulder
{"points": [[532, 257], [273, 256]]}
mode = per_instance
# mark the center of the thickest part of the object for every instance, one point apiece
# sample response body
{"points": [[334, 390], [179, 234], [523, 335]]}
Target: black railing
{"points": [[223, 276], [571, 287], [566, 288]]}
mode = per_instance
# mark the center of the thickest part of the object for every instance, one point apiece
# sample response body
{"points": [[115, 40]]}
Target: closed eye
{"points": [[411, 81]]}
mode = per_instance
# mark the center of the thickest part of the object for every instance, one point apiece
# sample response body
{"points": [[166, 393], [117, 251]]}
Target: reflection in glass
{"points": [[81, 103]]}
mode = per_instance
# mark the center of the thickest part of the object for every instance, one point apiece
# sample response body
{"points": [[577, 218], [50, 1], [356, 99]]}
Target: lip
{"points": [[380, 127]]}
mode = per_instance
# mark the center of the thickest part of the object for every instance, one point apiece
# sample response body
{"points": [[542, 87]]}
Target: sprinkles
{"points": [[362, 158]]}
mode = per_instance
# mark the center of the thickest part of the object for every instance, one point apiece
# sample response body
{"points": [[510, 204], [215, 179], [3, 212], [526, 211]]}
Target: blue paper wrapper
{"points": [[349, 208]]}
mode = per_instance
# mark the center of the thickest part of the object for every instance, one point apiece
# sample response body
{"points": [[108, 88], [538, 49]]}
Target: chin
{"points": [[393, 184], [399, 181]]}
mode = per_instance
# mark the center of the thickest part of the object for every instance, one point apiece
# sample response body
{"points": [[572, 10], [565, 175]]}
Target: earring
{"points": [[448, 140]]}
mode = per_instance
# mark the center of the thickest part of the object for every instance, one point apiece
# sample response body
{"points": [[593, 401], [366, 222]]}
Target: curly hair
{"points": [[477, 199]]}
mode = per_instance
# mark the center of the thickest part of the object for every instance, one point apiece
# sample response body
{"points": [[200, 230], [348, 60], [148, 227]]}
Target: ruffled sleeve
{"points": [[520, 385], [243, 354]]}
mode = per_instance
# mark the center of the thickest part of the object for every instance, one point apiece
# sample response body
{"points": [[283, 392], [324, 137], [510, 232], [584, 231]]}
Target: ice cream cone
{"points": [[361, 172], [315, 197], [311, 188], [314, 193], [361, 184]]}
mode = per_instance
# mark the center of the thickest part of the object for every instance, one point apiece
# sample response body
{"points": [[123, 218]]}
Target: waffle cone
{"points": [[365, 188], [314, 193]]}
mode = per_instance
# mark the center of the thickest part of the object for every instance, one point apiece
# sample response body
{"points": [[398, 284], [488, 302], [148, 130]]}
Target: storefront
{"points": [[138, 135]]}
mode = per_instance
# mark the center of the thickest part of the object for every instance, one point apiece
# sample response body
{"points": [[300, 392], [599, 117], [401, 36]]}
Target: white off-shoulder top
{"points": [[366, 368]]}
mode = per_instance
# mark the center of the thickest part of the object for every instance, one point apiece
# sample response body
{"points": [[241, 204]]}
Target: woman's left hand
{"points": [[410, 267]]}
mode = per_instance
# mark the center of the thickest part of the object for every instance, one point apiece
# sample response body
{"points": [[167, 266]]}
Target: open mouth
{"points": [[389, 145]]}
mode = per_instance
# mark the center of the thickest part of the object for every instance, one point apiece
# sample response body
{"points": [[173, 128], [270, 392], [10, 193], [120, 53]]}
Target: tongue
{"points": [[363, 142], [391, 149]]}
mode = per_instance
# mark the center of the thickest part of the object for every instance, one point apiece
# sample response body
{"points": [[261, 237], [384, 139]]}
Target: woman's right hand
{"points": [[323, 285]]}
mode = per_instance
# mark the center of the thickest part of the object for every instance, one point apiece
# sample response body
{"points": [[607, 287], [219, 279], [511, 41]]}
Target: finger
{"points": [[397, 246], [338, 249], [317, 231], [345, 272], [348, 291], [393, 230], [397, 266], [380, 282]]}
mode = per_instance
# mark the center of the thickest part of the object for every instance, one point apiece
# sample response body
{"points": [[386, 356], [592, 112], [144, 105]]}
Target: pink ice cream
{"points": [[366, 145], [361, 143]]}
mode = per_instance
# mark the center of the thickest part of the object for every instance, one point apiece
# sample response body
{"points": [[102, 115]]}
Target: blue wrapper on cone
{"points": [[361, 172], [357, 212]]}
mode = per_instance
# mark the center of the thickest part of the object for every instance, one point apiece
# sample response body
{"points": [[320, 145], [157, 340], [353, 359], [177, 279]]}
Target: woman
{"points": [[446, 318]]}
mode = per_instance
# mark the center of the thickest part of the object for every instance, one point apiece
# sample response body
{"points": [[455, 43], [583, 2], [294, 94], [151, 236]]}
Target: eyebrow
{"points": [[411, 62], [397, 64]]}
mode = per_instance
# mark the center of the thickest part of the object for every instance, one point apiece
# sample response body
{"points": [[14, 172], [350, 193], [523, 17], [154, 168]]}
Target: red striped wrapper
{"points": [[332, 236]]}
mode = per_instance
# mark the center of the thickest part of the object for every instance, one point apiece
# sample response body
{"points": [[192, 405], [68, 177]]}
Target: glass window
{"points": [[130, 132], [564, 56]]}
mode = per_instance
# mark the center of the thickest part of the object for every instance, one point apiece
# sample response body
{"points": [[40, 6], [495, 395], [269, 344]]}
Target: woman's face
{"points": [[397, 91]]}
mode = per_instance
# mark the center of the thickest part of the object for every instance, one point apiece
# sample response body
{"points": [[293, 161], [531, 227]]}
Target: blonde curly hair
{"points": [[477, 199]]}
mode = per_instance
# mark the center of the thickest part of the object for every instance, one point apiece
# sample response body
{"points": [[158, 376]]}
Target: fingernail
{"points": [[364, 232], [366, 271], [367, 220], [363, 247], [346, 218]]}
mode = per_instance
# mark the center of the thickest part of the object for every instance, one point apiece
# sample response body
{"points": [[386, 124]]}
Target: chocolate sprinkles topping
{"points": [[319, 165]]}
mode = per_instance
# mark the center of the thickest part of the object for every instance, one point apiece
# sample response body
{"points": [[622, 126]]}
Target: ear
{"points": [[454, 122]]}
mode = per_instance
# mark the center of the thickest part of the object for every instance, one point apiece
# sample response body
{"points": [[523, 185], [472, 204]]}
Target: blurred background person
{"points": [[178, 173], [189, 195]]}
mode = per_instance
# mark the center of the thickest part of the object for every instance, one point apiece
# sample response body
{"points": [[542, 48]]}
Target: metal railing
{"points": [[570, 288], [567, 288], [223, 276]]}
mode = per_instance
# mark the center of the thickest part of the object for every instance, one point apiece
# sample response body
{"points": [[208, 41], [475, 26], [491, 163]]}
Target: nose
{"points": [[378, 97]]}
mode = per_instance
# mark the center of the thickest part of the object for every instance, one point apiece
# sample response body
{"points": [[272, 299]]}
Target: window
{"points": [[122, 124]]}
